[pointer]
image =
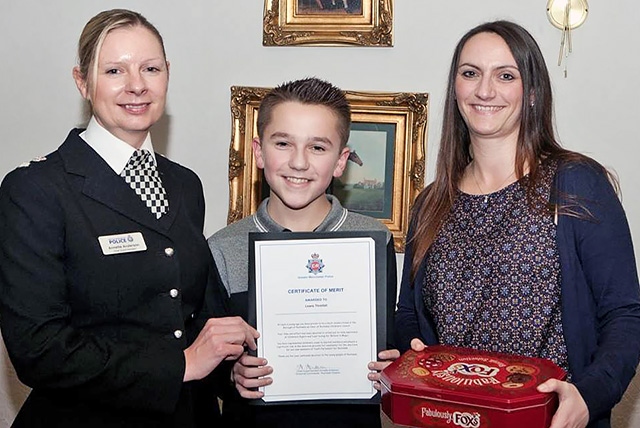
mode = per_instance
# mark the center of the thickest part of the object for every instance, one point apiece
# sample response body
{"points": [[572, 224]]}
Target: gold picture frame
{"points": [[395, 121], [328, 22]]}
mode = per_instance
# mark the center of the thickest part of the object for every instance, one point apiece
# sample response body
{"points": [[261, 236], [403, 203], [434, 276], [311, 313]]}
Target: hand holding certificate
{"points": [[320, 308]]}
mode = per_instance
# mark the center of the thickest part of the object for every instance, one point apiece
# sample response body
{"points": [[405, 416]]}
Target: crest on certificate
{"points": [[314, 264]]}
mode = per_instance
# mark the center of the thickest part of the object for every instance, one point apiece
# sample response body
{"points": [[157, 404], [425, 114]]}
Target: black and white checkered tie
{"points": [[143, 177]]}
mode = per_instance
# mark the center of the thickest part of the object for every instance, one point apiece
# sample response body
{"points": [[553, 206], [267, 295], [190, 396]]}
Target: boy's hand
{"points": [[249, 374], [386, 357]]}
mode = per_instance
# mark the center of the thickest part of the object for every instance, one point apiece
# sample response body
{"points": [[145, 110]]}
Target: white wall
{"points": [[213, 45]]}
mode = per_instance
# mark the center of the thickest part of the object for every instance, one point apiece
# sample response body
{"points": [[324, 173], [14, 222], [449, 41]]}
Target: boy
{"points": [[303, 128]]}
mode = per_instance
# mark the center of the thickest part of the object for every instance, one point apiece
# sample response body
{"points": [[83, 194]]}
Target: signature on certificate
{"points": [[314, 369]]}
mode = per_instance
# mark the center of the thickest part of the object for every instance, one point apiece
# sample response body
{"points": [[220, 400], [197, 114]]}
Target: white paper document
{"points": [[316, 314]]}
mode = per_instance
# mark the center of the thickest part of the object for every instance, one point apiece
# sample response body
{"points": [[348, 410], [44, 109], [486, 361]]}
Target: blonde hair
{"points": [[96, 30]]}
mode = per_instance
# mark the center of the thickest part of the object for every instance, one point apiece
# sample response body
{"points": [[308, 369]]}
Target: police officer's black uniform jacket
{"points": [[100, 338]]}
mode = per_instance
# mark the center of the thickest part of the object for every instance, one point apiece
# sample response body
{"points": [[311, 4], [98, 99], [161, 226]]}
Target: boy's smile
{"points": [[300, 154]]}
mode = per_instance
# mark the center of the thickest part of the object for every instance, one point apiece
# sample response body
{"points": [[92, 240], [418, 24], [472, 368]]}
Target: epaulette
{"points": [[36, 159]]}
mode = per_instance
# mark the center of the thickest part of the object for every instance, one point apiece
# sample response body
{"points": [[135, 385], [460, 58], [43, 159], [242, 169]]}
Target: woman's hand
{"points": [[417, 345], [386, 357], [249, 373], [572, 410], [220, 339]]}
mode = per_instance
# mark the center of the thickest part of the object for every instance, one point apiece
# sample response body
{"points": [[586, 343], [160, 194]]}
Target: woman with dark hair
{"points": [[520, 245]]}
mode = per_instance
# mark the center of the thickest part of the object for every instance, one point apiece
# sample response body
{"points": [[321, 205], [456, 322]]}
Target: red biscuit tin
{"points": [[446, 386]]}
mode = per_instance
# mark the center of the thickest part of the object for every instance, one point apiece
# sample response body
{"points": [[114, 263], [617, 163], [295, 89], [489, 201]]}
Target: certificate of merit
{"points": [[315, 298]]}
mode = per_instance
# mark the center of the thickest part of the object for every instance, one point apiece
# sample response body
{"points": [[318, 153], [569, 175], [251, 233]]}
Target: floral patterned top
{"points": [[492, 277]]}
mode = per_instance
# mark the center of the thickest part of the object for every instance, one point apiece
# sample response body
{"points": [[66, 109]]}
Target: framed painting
{"points": [[386, 167], [328, 22]]}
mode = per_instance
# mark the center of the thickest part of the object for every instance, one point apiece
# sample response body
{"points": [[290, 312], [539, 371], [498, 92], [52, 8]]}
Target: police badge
{"points": [[314, 264]]}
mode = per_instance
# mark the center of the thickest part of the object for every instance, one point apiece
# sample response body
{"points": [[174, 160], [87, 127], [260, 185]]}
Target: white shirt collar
{"points": [[114, 151]]}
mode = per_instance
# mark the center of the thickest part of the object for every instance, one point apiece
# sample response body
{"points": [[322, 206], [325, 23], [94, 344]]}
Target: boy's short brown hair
{"points": [[312, 91]]}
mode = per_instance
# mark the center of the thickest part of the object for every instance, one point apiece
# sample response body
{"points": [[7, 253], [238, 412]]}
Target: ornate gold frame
{"points": [[407, 111], [284, 26]]}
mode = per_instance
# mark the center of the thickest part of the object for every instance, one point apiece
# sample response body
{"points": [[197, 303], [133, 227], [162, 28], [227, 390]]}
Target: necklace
{"points": [[486, 194]]}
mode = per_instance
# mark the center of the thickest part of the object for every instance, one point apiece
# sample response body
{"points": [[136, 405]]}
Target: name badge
{"points": [[122, 243]]}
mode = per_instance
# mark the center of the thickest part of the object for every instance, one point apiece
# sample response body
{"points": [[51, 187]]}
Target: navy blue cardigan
{"points": [[600, 293]]}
